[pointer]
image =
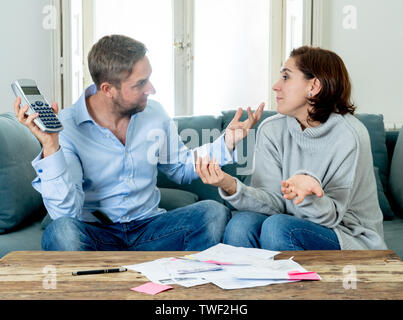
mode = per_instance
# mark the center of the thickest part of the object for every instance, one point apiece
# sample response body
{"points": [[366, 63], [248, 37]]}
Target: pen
{"points": [[79, 273]]}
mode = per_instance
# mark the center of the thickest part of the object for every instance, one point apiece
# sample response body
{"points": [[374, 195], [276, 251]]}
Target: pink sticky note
{"points": [[218, 262], [303, 275], [151, 288]]}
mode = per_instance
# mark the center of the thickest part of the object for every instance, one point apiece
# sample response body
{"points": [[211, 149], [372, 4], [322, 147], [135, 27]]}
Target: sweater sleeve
{"points": [[264, 194]]}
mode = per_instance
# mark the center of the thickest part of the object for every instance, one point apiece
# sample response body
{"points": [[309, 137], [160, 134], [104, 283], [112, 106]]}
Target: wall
{"points": [[372, 52], [25, 48]]}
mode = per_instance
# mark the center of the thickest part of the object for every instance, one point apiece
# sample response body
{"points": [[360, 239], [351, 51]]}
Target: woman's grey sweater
{"points": [[338, 154]]}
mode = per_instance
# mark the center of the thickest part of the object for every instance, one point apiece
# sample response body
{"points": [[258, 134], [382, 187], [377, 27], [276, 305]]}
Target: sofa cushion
{"points": [[393, 233], [203, 191], [195, 131], [391, 139], [396, 176], [198, 130], [174, 198], [19, 201], [25, 239], [376, 129], [383, 201]]}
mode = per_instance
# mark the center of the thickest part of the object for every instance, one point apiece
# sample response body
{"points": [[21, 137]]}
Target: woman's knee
{"points": [[243, 229], [277, 222], [275, 233]]}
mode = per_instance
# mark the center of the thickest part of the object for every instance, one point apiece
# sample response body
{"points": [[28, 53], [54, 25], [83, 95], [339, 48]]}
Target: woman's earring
{"points": [[310, 95]]}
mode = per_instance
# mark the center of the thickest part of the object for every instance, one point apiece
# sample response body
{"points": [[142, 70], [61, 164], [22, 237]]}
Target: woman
{"points": [[313, 185]]}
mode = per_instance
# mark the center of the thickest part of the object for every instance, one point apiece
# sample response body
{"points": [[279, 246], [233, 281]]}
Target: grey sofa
{"points": [[23, 217]]}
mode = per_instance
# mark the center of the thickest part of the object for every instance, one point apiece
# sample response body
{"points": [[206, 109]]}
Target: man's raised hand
{"points": [[238, 130]]}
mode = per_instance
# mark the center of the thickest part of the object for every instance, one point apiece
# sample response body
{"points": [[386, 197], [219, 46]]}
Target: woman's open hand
{"points": [[300, 186]]}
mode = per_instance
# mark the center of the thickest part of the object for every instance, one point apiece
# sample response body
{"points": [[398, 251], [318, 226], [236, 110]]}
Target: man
{"points": [[98, 176]]}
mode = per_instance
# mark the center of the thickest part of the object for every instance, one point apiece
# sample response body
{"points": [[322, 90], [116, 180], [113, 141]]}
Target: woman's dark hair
{"points": [[329, 69]]}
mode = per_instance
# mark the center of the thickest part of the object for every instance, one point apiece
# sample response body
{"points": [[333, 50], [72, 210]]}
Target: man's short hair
{"points": [[112, 58]]}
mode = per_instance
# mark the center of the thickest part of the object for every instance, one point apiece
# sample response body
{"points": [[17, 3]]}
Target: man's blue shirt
{"points": [[93, 170]]}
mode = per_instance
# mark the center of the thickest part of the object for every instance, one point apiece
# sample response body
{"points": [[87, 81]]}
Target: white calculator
{"points": [[31, 96]]}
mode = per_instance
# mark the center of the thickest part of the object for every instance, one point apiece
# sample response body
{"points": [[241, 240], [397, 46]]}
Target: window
{"points": [[149, 22], [298, 30], [207, 55], [231, 54], [294, 25]]}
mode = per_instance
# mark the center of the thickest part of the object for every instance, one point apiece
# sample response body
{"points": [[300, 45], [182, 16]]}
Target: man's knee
{"points": [[215, 217], [62, 234], [215, 211]]}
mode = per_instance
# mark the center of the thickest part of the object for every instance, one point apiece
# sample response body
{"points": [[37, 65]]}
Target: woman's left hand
{"points": [[300, 186]]}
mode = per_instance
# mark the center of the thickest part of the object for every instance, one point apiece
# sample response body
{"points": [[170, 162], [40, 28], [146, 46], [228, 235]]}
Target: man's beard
{"points": [[126, 110]]}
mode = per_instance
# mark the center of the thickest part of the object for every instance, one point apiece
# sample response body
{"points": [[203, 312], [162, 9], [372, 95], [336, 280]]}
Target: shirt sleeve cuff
{"points": [[50, 167], [220, 151]]}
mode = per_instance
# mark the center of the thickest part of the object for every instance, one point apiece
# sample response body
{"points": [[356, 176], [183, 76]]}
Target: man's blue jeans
{"points": [[278, 232], [191, 228]]}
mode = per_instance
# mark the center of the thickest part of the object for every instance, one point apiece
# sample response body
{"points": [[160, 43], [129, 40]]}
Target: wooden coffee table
{"points": [[27, 275]]}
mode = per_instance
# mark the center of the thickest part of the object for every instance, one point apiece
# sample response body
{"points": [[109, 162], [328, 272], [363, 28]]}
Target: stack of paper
{"points": [[226, 266]]}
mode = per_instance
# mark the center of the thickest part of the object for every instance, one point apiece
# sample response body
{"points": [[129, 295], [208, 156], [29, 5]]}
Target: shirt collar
{"points": [[82, 114]]}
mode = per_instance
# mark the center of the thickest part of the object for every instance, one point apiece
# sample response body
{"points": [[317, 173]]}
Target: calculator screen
{"points": [[31, 90]]}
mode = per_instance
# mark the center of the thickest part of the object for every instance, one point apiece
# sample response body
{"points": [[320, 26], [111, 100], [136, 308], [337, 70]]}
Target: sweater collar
{"points": [[314, 137]]}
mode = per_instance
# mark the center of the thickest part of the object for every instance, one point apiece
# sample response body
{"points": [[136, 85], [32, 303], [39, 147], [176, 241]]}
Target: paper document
{"points": [[158, 271], [274, 270], [226, 266], [185, 266], [235, 255]]}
